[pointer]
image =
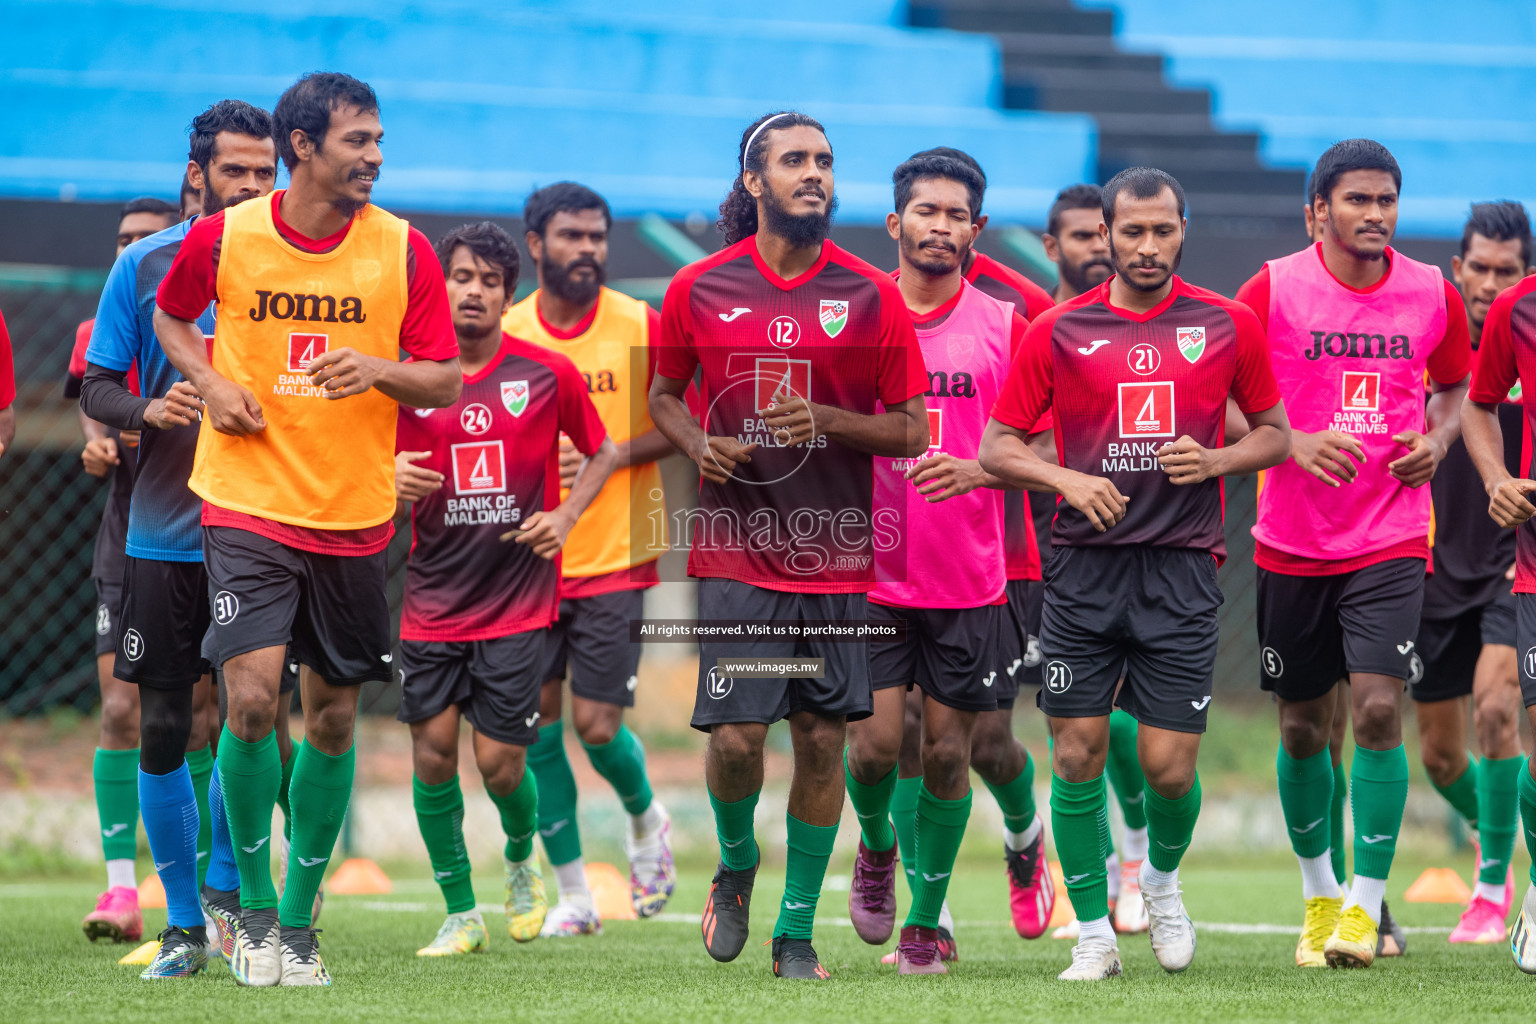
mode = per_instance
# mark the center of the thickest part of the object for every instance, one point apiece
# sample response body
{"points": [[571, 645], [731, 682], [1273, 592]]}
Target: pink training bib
{"points": [[948, 554], [1354, 362]]}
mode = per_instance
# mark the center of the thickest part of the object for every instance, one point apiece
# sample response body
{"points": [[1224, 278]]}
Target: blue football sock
{"points": [[222, 871], [168, 807]]}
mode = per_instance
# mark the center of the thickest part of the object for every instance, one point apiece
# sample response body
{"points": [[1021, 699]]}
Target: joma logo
{"points": [[321, 308], [1359, 346]]}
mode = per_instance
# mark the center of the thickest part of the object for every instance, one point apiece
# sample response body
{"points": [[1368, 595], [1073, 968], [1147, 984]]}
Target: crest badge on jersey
{"points": [[960, 347], [1191, 342], [367, 274], [833, 315], [514, 395]]}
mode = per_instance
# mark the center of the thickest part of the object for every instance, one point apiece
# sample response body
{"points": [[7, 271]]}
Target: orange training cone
{"points": [[359, 876], [610, 893], [1061, 913], [1438, 885], [151, 893]]}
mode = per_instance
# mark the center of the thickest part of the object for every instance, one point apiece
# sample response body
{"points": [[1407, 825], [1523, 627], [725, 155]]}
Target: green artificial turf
{"points": [[657, 970]]}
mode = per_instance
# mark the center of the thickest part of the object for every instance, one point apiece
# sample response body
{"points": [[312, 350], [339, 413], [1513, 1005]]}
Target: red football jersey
{"points": [[1122, 385], [794, 518], [498, 450], [1008, 285]]}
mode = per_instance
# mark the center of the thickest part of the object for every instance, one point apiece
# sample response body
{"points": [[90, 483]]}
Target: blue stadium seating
{"points": [[483, 104], [1445, 86]]}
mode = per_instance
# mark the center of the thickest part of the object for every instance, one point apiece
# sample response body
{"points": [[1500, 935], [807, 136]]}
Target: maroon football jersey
{"points": [[794, 518], [1021, 547], [498, 450], [1005, 284], [1122, 385]]}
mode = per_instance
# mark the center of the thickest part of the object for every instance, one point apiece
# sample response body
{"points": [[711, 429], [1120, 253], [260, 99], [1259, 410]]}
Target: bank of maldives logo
{"points": [[479, 467], [514, 395], [1146, 410]]}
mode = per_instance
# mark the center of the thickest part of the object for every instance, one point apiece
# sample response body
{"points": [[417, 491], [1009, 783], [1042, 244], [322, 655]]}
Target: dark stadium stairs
{"points": [[1059, 57]]}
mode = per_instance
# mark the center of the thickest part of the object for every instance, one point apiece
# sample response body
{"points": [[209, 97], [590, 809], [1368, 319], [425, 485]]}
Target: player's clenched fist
{"points": [[232, 409], [718, 457], [1417, 467], [544, 532], [412, 482], [792, 421], [1508, 504], [944, 476], [1187, 461], [342, 372], [181, 406], [1323, 454], [1095, 497], [100, 456]]}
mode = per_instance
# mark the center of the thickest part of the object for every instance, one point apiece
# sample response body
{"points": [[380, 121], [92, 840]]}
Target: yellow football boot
{"points": [[1322, 917]]}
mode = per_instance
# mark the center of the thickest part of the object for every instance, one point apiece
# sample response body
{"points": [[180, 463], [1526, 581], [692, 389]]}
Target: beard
{"points": [[1368, 255], [1076, 274], [478, 333], [213, 202], [800, 230], [1134, 285], [935, 262], [559, 279]]}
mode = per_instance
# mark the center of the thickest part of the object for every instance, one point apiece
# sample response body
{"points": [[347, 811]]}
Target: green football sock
{"points": [[1336, 822], [319, 795], [1498, 815], [1462, 793], [200, 767], [557, 795], [1528, 815], [622, 762], [805, 865], [282, 790], [519, 817], [1123, 766], [249, 774], [1306, 800], [1016, 799], [1378, 792], [733, 827], [116, 777], [1170, 825], [940, 827], [440, 817], [1079, 821], [904, 824], [872, 806]]}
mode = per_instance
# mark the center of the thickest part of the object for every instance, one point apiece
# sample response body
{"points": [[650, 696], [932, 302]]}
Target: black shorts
{"points": [[843, 692], [1315, 630], [290, 680], [1525, 629], [1145, 612], [495, 683], [332, 607], [109, 611], [951, 654], [1445, 658], [160, 629], [1019, 640], [591, 638]]}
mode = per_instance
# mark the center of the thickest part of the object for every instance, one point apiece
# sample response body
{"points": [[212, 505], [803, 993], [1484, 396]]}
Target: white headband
{"points": [[753, 137]]}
